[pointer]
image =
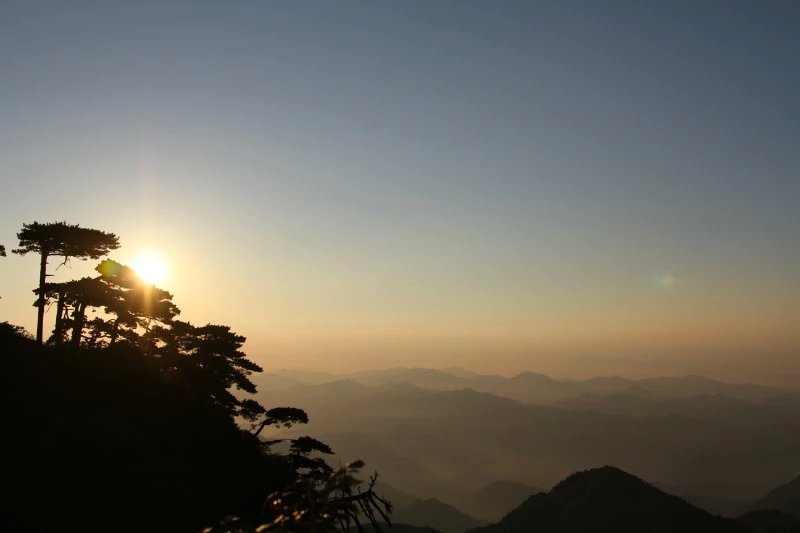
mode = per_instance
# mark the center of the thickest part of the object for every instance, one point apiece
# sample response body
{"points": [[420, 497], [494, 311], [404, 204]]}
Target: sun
{"points": [[150, 267]]}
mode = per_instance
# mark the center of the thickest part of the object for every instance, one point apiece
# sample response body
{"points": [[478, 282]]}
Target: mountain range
{"points": [[437, 515], [532, 387], [720, 446], [785, 498], [602, 500]]}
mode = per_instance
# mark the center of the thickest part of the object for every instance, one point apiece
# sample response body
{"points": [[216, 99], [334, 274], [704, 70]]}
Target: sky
{"points": [[578, 188]]}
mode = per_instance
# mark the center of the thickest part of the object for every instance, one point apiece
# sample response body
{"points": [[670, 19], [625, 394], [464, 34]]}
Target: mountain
{"points": [[771, 521], [687, 386], [402, 471], [401, 528], [609, 500], [445, 444], [726, 499], [531, 387], [717, 407], [436, 514], [461, 372], [785, 498], [428, 378], [493, 501], [614, 404]]}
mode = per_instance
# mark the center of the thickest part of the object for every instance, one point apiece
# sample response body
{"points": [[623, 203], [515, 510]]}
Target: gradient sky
{"points": [[578, 188]]}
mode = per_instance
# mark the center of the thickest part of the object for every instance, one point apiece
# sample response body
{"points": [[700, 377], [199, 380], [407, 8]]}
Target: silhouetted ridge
{"points": [[493, 501], [533, 377], [403, 528], [771, 521], [587, 482], [609, 500], [436, 514], [785, 498]]}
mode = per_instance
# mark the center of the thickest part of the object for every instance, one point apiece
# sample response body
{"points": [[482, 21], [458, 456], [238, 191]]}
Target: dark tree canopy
{"points": [[277, 416], [139, 304], [207, 359], [11, 334], [131, 306], [65, 240]]}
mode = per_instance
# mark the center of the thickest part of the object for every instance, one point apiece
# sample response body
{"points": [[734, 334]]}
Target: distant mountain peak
{"points": [[609, 379], [604, 478], [533, 376], [344, 383], [608, 499]]}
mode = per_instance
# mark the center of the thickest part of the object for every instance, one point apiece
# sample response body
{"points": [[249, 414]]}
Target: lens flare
{"points": [[665, 281]]}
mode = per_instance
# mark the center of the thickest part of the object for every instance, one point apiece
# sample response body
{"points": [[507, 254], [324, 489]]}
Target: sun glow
{"points": [[150, 267]]}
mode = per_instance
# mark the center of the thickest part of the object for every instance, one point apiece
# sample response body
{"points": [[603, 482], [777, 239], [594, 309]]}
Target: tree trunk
{"points": [[58, 333], [40, 302], [77, 326]]}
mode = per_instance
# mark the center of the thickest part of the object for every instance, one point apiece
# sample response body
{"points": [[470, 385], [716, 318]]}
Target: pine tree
{"points": [[59, 239]]}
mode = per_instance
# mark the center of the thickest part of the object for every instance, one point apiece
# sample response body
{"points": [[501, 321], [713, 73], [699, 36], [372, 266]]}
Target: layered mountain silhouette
{"points": [[609, 500], [785, 498], [488, 504], [493, 501], [771, 521], [431, 439], [729, 499], [435, 514], [599, 500], [398, 498], [401, 528], [714, 407], [532, 387]]}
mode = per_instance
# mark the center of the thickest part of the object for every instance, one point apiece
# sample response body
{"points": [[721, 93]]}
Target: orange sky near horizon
{"points": [[576, 190], [646, 332]]}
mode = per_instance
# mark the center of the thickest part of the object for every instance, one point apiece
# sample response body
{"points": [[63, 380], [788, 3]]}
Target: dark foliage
{"points": [[14, 337], [65, 240], [130, 306], [326, 502], [98, 440], [106, 438]]}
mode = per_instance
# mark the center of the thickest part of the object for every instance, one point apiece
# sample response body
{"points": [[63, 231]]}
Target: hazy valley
{"points": [[451, 434]]}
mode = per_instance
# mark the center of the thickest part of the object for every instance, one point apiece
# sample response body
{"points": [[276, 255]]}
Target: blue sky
{"points": [[364, 178]]}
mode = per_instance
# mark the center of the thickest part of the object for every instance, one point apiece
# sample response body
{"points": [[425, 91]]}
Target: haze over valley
{"points": [[445, 434]]}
